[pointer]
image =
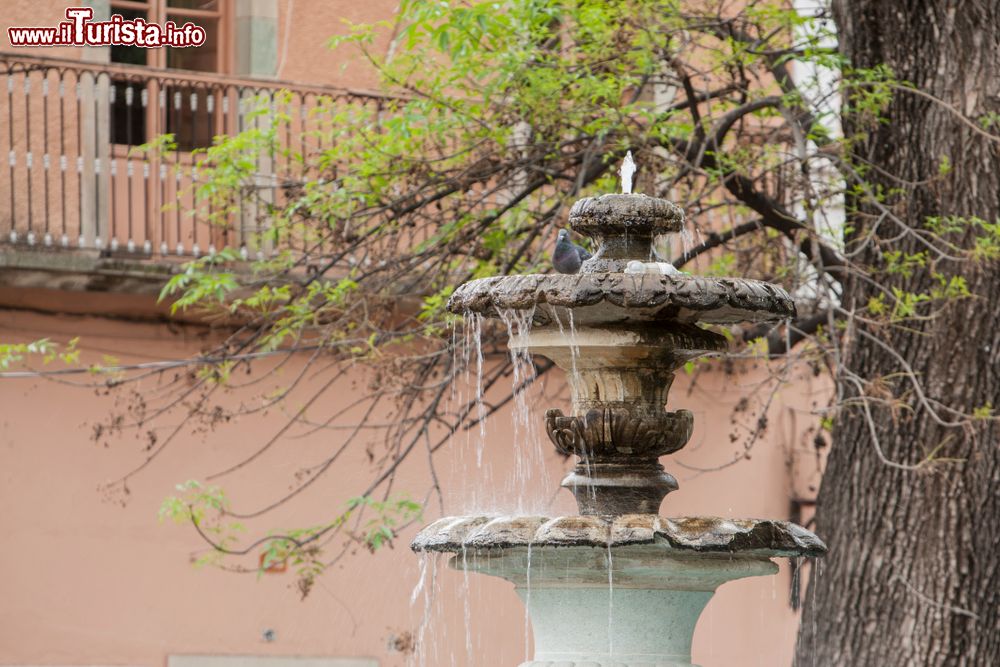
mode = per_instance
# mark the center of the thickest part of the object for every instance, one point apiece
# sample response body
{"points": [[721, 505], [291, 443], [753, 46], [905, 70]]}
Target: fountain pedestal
{"points": [[642, 615]]}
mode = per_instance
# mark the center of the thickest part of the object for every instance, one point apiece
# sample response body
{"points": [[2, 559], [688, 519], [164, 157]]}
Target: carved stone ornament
{"points": [[618, 432]]}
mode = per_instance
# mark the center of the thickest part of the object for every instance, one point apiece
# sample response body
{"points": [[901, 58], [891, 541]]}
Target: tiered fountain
{"points": [[618, 585]]}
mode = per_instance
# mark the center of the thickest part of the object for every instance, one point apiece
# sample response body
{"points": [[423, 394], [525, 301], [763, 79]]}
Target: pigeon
{"points": [[568, 256]]}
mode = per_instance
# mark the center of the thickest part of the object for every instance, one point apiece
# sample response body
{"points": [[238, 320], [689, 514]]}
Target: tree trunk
{"points": [[912, 576]]}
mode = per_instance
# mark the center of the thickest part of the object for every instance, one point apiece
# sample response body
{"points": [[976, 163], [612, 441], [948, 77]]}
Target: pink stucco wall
{"points": [[91, 577], [303, 54]]}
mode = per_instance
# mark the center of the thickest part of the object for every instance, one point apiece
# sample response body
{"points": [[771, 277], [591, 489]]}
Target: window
{"points": [[181, 110], [212, 15]]}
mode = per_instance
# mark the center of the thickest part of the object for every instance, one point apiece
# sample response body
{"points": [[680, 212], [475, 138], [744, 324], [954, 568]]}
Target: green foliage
{"points": [[984, 411], [986, 247], [203, 506], [904, 264], [202, 282], [985, 235], [379, 530], [723, 264], [906, 304], [950, 288], [868, 93], [195, 503], [944, 166], [14, 353], [207, 507], [989, 119], [502, 101], [433, 308]]}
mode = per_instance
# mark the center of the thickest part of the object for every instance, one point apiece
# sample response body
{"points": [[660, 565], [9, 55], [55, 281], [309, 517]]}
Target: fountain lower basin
{"points": [[615, 591]]}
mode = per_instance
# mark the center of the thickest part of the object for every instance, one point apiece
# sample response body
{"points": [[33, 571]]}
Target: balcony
{"points": [[82, 206]]}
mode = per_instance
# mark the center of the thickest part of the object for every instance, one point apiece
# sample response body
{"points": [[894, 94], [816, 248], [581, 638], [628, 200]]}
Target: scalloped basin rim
{"points": [[622, 296], [615, 211], [760, 537]]}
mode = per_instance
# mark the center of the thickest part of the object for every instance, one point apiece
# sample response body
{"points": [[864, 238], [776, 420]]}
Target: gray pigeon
{"points": [[568, 256]]}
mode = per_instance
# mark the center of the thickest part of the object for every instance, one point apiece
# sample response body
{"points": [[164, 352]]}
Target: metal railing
{"points": [[76, 175]]}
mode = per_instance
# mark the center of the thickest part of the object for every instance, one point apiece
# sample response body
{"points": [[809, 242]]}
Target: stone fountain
{"points": [[618, 585]]}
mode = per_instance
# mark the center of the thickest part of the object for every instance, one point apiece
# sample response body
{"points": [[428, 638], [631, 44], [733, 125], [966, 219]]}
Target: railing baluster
{"points": [[112, 166], [163, 113], [164, 247], [63, 161], [81, 240], [210, 125], [129, 98], [267, 184], [45, 152], [240, 126], [226, 126], [27, 146], [11, 156], [98, 242], [195, 248], [177, 169], [147, 243]]}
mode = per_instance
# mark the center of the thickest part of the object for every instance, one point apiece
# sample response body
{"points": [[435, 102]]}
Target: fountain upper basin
{"points": [[608, 298]]}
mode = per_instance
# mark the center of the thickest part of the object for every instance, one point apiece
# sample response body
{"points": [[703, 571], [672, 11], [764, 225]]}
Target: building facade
{"points": [[92, 223]]}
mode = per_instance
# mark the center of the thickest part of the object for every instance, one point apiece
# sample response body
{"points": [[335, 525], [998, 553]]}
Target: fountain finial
{"points": [[627, 171]]}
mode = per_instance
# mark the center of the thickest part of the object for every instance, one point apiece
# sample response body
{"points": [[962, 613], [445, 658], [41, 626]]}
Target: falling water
{"points": [[461, 382], [527, 605], [530, 458], [814, 574], [421, 579], [686, 241], [574, 349], [611, 600], [459, 363], [796, 585], [466, 594], [467, 397], [574, 353], [480, 408], [627, 171], [428, 566], [469, 369]]}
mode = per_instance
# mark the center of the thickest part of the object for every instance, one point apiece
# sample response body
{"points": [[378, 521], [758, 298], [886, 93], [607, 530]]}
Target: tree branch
{"points": [[715, 240], [779, 341]]}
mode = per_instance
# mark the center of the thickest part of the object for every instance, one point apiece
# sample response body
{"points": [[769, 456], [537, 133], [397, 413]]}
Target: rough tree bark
{"points": [[912, 577]]}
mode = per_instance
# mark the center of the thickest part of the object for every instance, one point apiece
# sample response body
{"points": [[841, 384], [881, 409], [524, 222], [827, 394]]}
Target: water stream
{"points": [[530, 472], [527, 606], [611, 600], [477, 334]]}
